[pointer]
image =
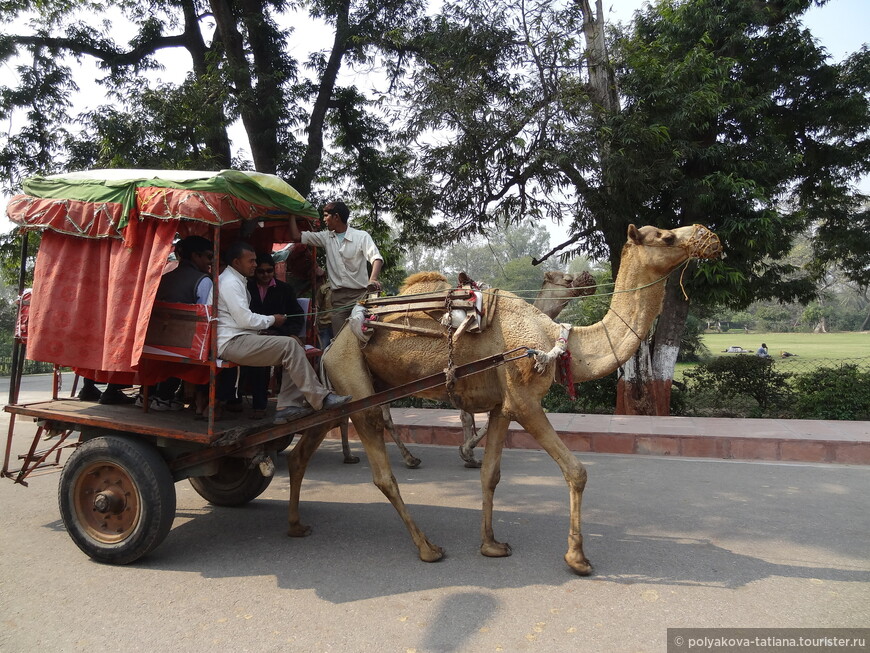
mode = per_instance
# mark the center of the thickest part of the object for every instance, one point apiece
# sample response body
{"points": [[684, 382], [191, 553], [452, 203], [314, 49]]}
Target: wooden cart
{"points": [[116, 490]]}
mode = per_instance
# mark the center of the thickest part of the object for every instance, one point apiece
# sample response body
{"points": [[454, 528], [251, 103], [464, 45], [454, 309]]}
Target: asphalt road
{"points": [[675, 543]]}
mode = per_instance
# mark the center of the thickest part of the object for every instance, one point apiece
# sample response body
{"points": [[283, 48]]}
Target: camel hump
{"points": [[423, 277]]}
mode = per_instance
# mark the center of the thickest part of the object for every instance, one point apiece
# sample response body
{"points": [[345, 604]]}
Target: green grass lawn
{"points": [[813, 349], [807, 346]]}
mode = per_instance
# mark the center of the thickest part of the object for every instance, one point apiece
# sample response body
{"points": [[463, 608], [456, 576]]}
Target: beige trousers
{"points": [[299, 380], [345, 298]]}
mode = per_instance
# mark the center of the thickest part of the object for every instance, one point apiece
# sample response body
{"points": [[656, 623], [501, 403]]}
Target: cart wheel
{"points": [[117, 499], [235, 484]]}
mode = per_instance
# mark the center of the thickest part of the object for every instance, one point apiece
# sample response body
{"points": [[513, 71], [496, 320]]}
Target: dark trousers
{"points": [[256, 379]]}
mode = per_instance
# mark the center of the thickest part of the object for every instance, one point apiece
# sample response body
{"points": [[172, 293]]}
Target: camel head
{"points": [[574, 285], [664, 249]]}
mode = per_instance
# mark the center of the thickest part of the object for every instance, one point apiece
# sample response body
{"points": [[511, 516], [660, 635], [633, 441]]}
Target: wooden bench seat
{"points": [[182, 333]]}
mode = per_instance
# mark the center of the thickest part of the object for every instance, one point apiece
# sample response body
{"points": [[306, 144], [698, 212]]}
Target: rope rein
{"points": [[518, 293], [703, 243]]}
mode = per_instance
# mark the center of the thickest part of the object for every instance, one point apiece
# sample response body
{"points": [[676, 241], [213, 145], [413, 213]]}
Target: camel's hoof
{"points": [[468, 456], [413, 463], [351, 460], [433, 554], [496, 550], [299, 530], [581, 567]]}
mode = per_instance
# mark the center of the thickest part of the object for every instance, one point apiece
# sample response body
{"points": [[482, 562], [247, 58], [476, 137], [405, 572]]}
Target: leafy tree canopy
{"points": [[722, 112], [760, 137], [300, 122], [728, 113]]}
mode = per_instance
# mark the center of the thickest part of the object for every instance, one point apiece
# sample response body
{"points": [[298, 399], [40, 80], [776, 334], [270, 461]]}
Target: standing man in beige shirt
{"points": [[348, 250]]}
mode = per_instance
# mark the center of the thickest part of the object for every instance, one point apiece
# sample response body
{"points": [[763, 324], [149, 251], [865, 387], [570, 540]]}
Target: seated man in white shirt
{"points": [[239, 341]]}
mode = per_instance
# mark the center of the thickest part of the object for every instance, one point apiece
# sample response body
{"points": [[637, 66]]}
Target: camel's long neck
{"points": [[551, 305], [598, 350]]}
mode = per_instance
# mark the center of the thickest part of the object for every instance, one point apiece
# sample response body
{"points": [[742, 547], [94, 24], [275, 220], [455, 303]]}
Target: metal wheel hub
{"points": [[106, 502], [110, 501]]}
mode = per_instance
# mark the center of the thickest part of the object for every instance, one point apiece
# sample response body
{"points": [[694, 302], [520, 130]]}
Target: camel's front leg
{"points": [[297, 463], [490, 475], [370, 427], [411, 461], [471, 438], [536, 423]]}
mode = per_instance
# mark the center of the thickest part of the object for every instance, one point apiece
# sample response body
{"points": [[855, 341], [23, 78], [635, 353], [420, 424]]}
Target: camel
{"points": [[512, 391], [556, 291]]}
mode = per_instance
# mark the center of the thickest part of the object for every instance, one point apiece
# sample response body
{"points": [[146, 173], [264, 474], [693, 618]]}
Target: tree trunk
{"points": [[635, 390], [669, 333], [645, 386], [305, 173], [216, 138], [602, 79], [258, 121]]}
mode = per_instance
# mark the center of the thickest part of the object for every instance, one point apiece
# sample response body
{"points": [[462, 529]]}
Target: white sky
{"points": [[841, 27]]}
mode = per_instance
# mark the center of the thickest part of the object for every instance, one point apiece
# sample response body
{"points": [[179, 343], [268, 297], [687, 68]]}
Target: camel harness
{"points": [[468, 308]]}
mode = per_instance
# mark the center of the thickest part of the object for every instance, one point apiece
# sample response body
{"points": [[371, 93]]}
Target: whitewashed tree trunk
{"points": [[645, 387]]}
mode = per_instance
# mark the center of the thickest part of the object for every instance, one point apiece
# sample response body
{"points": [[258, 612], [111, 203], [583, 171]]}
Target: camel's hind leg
{"points": [[349, 458], [370, 427], [537, 424], [411, 461], [472, 437], [297, 463], [490, 475]]}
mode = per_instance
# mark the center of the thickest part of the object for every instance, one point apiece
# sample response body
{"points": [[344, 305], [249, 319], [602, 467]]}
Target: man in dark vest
{"points": [[189, 283]]}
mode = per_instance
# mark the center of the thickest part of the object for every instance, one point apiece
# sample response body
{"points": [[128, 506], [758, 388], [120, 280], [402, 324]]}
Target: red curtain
{"points": [[92, 298]]}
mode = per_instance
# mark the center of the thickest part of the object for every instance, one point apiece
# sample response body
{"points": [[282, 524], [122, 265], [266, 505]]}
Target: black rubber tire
{"points": [[117, 499], [234, 485]]}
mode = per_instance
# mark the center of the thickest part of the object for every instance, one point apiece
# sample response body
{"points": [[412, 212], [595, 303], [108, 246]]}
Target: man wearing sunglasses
{"points": [[348, 250], [269, 296]]}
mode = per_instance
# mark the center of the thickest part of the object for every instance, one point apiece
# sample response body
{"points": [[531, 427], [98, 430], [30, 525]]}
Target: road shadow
{"points": [[360, 551], [662, 522]]}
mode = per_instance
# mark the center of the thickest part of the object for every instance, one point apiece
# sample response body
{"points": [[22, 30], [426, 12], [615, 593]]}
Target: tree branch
{"points": [[108, 56], [557, 248], [305, 173]]}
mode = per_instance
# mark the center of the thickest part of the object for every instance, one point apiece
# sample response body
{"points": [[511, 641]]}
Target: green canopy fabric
{"points": [[100, 203]]}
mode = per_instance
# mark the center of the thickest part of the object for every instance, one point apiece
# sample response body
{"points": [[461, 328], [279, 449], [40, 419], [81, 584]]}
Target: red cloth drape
{"points": [[92, 298], [73, 217]]}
